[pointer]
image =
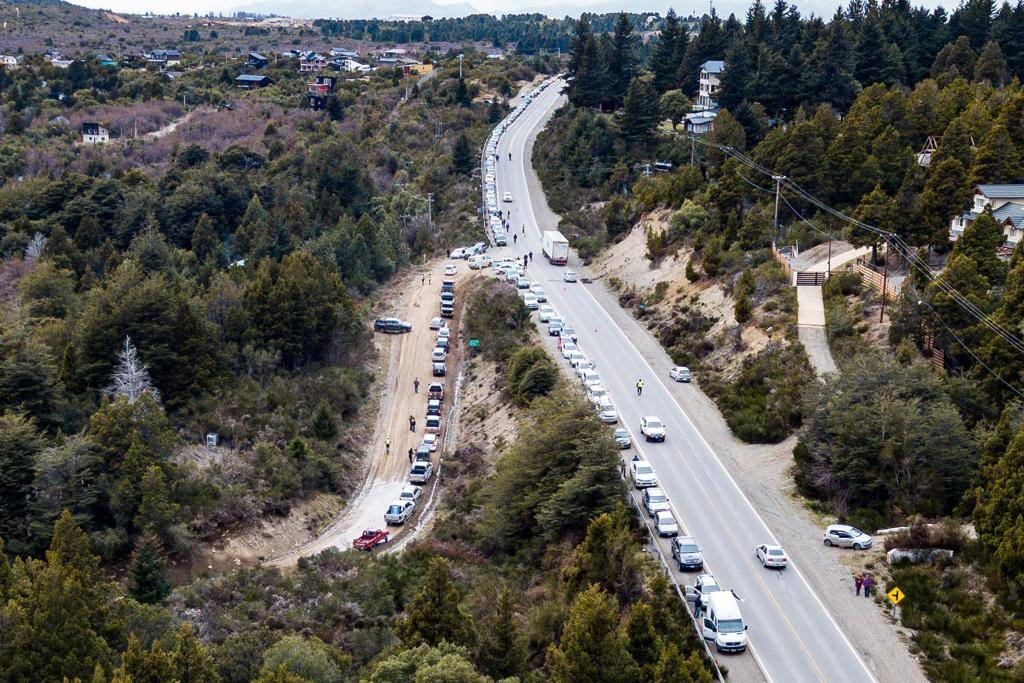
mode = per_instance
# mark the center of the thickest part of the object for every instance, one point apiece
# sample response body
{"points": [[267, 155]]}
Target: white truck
{"points": [[556, 247]]}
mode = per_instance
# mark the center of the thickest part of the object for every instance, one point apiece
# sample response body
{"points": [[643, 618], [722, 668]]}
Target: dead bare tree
{"points": [[130, 377], [35, 247]]}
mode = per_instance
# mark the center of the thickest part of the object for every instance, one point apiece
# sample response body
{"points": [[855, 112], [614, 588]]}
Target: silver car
{"points": [[846, 536], [687, 553], [655, 501]]}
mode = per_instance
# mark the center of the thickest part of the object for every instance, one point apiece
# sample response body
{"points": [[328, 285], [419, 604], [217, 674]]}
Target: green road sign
{"points": [[474, 342]]}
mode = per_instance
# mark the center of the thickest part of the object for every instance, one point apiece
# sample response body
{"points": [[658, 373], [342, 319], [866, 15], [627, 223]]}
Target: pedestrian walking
{"points": [[412, 423], [410, 456], [698, 605], [515, 238], [416, 385], [430, 278], [387, 444], [524, 260], [869, 583], [524, 228], [622, 468], [510, 156], [858, 581], [639, 387], [531, 257]]}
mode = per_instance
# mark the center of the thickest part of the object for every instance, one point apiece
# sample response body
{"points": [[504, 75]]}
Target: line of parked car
{"points": [[494, 213]]}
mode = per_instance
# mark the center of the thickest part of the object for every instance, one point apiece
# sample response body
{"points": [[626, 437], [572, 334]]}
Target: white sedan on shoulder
{"points": [[451, 269], [680, 373], [771, 556]]}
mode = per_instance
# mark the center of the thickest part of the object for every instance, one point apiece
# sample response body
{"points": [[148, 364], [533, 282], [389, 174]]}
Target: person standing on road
{"points": [[412, 423], [639, 387], [531, 257], [858, 581], [510, 156], [423, 278], [524, 260], [387, 445], [410, 456], [515, 238], [698, 605], [622, 468], [869, 583], [416, 385]]}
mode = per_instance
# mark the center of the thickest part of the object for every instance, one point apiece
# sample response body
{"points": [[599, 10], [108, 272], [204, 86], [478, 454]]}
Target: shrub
{"points": [[530, 374], [497, 317]]}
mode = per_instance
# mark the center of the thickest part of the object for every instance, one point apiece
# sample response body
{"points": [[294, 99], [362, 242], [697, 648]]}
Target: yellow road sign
{"points": [[895, 596]]}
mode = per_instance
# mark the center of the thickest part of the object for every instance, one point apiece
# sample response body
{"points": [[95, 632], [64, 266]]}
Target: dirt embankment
{"points": [[625, 268]]}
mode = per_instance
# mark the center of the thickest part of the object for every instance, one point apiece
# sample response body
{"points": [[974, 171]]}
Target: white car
{"points": [[438, 355], [545, 312], [569, 276], [436, 323], [652, 428], [596, 393], [642, 474], [771, 556], [443, 332], [430, 441], [588, 375], [576, 357], [451, 269], [680, 374], [568, 347], [539, 292], [584, 365], [666, 524], [704, 585], [530, 301], [507, 197], [460, 252], [655, 501], [608, 415], [399, 512], [846, 536], [410, 492], [420, 472]]}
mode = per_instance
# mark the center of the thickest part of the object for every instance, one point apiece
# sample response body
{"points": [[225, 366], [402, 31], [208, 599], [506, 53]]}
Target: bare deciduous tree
{"points": [[131, 378], [35, 247]]}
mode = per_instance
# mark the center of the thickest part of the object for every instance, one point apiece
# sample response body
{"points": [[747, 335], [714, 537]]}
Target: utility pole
{"points": [[430, 210], [460, 66], [778, 180], [693, 150], [885, 280]]}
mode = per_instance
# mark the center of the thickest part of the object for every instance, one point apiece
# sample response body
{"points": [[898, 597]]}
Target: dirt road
{"points": [[408, 359]]}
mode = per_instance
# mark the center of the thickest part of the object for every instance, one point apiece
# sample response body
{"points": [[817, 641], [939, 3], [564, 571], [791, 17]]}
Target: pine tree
{"points": [[998, 159], [945, 195], [663, 64], [502, 651], [870, 50], [252, 238], [829, 77], [639, 116], [5, 574], [997, 352], [999, 513], [154, 666], [674, 668], [606, 558], [156, 509], [991, 66], [643, 641], [435, 615], [20, 444], [88, 235], [592, 647], [462, 156], [192, 663], [979, 242], [674, 106], [324, 425], [149, 583], [205, 244], [876, 209], [621, 65]]}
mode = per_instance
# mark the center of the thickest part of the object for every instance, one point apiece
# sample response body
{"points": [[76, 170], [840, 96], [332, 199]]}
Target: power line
{"points": [[904, 249]]}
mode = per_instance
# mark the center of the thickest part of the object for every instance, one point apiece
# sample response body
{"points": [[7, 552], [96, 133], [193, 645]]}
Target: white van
{"points": [[722, 622], [478, 261]]}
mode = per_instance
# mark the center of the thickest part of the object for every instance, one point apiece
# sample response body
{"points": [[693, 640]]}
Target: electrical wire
{"points": [[897, 243]]}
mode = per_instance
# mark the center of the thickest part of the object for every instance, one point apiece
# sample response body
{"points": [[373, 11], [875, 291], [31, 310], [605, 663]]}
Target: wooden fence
{"points": [[874, 279]]}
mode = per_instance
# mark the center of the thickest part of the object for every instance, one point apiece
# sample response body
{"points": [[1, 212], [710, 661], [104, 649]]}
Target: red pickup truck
{"points": [[370, 539]]}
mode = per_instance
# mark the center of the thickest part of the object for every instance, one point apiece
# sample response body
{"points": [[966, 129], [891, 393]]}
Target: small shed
{"points": [[94, 134]]}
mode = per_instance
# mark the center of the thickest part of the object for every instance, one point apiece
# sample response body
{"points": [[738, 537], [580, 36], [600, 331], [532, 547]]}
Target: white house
{"points": [[94, 134], [700, 122], [353, 65], [707, 96], [1007, 204], [312, 61]]}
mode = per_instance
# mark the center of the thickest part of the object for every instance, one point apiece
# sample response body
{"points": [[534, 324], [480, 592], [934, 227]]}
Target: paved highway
{"points": [[792, 635]]}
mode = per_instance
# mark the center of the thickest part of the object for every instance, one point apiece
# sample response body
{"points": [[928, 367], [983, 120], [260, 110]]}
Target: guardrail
{"points": [[675, 584]]}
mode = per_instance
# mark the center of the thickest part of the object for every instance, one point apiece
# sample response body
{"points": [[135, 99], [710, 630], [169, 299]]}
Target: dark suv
{"points": [[391, 326]]}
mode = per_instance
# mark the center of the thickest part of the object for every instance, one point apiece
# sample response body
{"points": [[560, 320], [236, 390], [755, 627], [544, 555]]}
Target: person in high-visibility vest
{"points": [[639, 387]]}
